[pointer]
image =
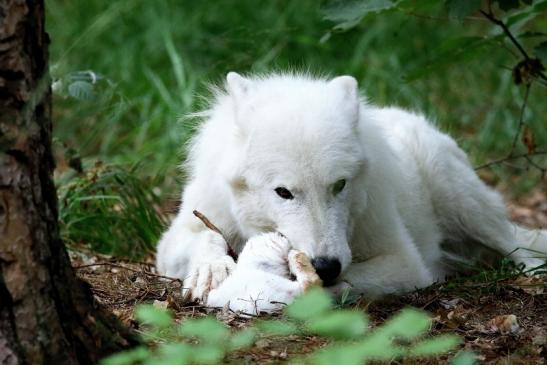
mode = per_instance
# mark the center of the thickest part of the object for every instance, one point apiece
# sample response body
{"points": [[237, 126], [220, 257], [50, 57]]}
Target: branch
{"points": [[521, 120], [493, 19], [536, 65], [214, 228], [542, 169], [112, 264], [511, 158]]}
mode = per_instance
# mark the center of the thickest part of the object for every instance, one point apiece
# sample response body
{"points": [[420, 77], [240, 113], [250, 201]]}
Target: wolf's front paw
{"points": [[205, 277]]}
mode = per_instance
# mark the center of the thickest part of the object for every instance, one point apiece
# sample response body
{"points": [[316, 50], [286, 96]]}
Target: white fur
{"points": [[261, 281], [412, 202]]}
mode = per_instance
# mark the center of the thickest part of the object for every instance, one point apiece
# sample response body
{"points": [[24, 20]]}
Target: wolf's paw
{"points": [[205, 277]]}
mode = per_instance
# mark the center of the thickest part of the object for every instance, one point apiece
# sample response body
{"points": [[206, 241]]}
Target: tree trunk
{"points": [[47, 315]]}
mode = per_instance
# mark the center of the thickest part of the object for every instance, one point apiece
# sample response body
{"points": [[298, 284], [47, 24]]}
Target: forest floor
{"points": [[479, 307]]}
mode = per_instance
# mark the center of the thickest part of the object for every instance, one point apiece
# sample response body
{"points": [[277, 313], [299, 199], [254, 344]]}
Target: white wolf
{"points": [[378, 198]]}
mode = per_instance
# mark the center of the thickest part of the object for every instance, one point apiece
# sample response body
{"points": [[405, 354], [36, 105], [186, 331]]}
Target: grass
{"points": [[112, 211], [126, 71]]}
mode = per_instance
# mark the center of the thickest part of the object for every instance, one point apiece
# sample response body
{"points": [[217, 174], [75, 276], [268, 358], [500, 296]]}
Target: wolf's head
{"points": [[300, 154]]}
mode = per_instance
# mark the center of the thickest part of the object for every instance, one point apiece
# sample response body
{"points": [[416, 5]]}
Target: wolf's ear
{"points": [[347, 92], [347, 85], [240, 90], [238, 86]]}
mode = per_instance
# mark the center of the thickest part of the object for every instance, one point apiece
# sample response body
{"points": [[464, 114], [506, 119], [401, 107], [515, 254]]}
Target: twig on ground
{"points": [[214, 228], [79, 267]]}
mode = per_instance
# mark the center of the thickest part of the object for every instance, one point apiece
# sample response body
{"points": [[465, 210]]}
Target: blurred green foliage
{"points": [[208, 341], [147, 61]]}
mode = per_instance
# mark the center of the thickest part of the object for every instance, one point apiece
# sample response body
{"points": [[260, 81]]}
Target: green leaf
{"points": [[242, 339], [459, 9], [540, 6], [349, 13], [527, 14], [315, 302], [207, 354], [520, 18], [541, 51], [464, 358], [173, 354], [407, 324], [340, 324], [507, 5], [148, 314], [532, 34], [339, 354], [206, 329], [422, 6], [277, 328], [435, 346], [343, 10], [140, 353], [379, 346], [448, 54], [81, 90]]}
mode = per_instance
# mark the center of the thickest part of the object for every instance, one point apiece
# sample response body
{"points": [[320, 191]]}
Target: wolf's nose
{"points": [[327, 268]]}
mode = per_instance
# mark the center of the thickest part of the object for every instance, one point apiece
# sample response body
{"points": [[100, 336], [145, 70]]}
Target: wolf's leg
{"points": [[192, 252], [197, 257], [389, 259], [388, 274], [470, 211]]}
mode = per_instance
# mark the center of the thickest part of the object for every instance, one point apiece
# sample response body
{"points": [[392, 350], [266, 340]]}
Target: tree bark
{"points": [[47, 315]]}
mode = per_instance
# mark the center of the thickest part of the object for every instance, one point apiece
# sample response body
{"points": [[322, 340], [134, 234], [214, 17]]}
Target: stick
{"points": [[118, 266], [214, 228], [510, 158]]}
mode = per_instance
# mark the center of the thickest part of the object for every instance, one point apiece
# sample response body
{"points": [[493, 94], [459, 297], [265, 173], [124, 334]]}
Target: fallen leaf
{"points": [[160, 304], [139, 281], [504, 324], [449, 304], [528, 139], [262, 343], [539, 337], [529, 284], [457, 317]]}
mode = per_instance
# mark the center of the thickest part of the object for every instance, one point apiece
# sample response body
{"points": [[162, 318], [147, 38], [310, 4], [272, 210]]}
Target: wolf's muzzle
{"points": [[328, 268]]}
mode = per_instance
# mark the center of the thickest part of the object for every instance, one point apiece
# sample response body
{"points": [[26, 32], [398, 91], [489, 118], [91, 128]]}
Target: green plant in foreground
{"points": [[207, 340]]}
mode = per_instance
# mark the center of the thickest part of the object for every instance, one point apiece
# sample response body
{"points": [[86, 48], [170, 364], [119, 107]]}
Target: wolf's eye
{"points": [[284, 193], [338, 186]]}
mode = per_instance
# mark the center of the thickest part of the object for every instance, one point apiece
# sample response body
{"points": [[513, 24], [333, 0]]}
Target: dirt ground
{"points": [[479, 308]]}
